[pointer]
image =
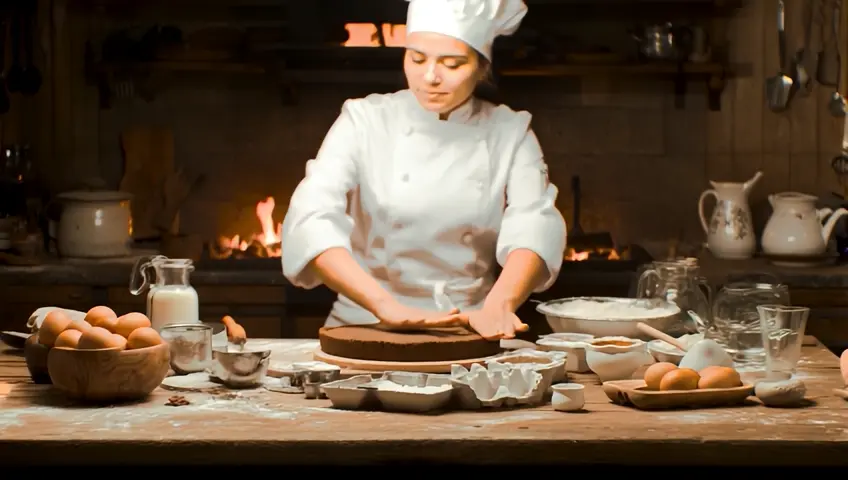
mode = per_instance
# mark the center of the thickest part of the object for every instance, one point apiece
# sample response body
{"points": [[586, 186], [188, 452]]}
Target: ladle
{"points": [[803, 79], [15, 73], [836, 105], [779, 87], [30, 76], [5, 104]]}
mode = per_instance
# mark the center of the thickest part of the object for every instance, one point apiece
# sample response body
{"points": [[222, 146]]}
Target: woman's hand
{"points": [[397, 316], [495, 322]]}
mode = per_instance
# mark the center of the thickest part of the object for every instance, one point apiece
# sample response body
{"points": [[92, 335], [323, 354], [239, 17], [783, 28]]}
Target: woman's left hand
{"points": [[495, 322]]}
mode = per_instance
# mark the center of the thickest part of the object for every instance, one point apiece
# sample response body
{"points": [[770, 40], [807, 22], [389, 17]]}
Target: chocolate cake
{"points": [[431, 345]]}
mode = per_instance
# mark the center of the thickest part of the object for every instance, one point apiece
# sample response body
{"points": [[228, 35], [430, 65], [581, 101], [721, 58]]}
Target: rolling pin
{"points": [[649, 330], [235, 332]]}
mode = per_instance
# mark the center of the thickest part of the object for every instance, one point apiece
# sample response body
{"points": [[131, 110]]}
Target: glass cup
{"points": [[782, 328]]}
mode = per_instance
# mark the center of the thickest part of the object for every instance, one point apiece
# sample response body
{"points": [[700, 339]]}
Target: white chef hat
{"points": [[475, 22]]}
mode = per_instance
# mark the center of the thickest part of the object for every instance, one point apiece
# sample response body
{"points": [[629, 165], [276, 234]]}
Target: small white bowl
{"points": [[572, 343], [568, 397], [617, 358], [663, 352]]}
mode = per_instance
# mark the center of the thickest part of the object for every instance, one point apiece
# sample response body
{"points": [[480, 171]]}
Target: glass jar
{"points": [[172, 299], [736, 322], [679, 282]]}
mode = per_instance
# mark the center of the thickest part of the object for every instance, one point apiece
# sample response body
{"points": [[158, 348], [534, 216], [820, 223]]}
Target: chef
{"points": [[414, 195]]}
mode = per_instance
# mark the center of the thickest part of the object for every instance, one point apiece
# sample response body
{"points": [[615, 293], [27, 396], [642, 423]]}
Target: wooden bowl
{"points": [[35, 355], [108, 375]]}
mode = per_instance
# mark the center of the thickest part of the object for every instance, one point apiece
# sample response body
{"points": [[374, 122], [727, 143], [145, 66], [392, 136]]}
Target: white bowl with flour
{"points": [[610, 316]]}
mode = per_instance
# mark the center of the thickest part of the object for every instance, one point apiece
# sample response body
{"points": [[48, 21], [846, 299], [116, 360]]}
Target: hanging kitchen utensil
{"points": [[31, 75], [577, 239], [15, 73], [779, 88], [5, 104], [837, 105], [801, 70], [828, 68], [839, 164]]}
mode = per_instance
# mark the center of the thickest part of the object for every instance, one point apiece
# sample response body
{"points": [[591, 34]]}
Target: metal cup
{"points": [[191, 346]]}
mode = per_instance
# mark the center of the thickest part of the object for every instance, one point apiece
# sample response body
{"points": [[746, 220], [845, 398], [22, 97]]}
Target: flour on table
{"points": [[191, 382], [203, 408]]}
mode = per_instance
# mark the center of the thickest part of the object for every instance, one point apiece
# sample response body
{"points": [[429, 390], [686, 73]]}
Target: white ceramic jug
{"points": [[730, 231], [795, 227]]}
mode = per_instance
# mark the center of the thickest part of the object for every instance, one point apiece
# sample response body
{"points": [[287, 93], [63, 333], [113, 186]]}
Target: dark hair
{"points": [[486, 88]]}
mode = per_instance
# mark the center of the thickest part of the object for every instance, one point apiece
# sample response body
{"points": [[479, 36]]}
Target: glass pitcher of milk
{"points": [[171, 299]]}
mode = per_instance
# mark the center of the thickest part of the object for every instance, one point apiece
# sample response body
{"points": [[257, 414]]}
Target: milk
{"points": [[172, 304]]}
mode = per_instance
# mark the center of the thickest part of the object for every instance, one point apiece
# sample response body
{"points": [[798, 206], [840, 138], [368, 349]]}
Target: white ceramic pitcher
{"points": [[795, 226], [730, 231]]}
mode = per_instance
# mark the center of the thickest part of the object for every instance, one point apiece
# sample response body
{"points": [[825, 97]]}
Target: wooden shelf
{"points": [[647, 69], [563, 70], [107, 74]]}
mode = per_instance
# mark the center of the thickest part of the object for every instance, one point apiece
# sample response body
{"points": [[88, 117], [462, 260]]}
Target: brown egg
{"points": [[680, 379], [655, 373], [130, 322], [143, 337], [79, 325], [68, 339], [719, 377], [96, 338], [54, 323], [101, 316], [119, 341]]}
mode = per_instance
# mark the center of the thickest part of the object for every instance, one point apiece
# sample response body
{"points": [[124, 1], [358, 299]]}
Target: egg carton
{"points": [[551, 365], [497, 385], [394, 392]]}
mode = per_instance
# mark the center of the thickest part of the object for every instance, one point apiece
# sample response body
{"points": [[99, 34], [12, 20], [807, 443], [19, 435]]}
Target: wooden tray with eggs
{"points": [[666, 387]]}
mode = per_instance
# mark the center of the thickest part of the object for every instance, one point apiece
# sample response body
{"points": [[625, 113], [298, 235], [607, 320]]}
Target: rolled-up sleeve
{"points": [[531, 219], [317, 218]]}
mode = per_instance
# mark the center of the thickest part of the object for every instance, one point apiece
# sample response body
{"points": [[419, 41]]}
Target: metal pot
{"points": [[663, 42], [94, 224]]}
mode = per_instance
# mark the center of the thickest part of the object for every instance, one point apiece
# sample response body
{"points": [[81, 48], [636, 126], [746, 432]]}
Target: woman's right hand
{"points": [[397, 316]]}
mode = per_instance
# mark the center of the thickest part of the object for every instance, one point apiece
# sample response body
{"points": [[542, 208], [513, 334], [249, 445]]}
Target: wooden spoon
{"points": [[235, 332], [649, 330]]}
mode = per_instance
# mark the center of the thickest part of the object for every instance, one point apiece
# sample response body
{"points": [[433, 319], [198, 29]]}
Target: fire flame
{"points": [[365, 35], [270, 237], [573, 255]]}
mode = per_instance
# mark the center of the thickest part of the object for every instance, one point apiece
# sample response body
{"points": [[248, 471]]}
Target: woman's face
{"points": [[441, 71]]}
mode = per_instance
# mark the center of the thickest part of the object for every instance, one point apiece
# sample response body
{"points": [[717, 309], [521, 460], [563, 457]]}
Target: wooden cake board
{"points": [[351, 366]]}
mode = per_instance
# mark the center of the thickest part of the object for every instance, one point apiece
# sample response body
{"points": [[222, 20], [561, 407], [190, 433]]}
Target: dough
{"points": [[781, 393], [431, 345]]}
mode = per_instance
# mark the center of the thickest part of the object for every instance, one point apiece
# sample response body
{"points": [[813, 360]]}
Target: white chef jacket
{"points": [[421, 202]]}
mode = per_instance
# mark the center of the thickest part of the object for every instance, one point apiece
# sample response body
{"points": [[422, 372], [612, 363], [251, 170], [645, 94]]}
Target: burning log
{"points": [[224, 249], [221, 249], [260, 245], [256, 249]]}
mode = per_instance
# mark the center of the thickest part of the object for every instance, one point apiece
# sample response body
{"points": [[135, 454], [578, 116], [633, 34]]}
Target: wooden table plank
{"points": [[262, 427]]}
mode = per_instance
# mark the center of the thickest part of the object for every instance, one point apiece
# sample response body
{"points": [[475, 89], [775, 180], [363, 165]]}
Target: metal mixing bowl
{"points": [[240, 369]]}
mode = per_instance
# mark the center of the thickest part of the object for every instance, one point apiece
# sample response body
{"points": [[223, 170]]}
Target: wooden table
{"points": [[261, 427]]}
